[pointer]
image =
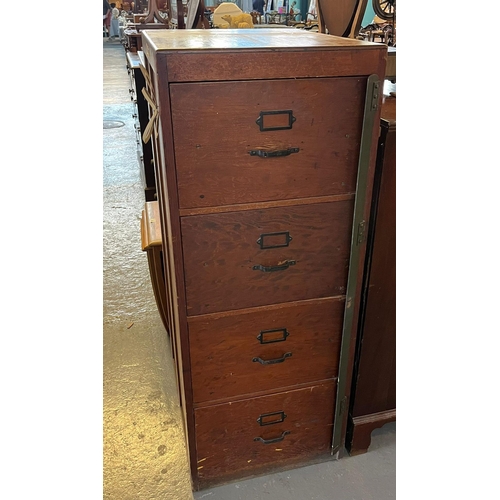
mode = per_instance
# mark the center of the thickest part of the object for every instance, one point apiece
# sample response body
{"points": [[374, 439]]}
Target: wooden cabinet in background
{"points": [[266, 154], [373, 400], [141, 115]]}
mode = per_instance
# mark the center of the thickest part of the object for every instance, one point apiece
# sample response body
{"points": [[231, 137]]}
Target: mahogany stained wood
{"points": [[359, 430], [266, 204], [213, 163], [225, 434], [224, 345], [172, 256], [221, 250], [378, 351], [374, 386]]}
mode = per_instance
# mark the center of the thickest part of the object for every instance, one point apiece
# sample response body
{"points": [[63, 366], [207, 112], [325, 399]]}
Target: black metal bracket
{"points": [[272, 361], [271, 441], [264, 153], [271, 269]]}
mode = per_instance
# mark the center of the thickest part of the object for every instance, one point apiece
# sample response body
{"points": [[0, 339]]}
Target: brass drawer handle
{"points": [[279, 267], [272, 361], [271, 441], [270, 154]]}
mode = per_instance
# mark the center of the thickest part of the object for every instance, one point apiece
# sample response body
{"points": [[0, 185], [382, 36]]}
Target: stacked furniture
{"points": [[265, 144]]}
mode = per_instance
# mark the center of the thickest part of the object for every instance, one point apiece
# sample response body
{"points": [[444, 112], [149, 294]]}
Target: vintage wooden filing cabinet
{"points": [[265, 144]]}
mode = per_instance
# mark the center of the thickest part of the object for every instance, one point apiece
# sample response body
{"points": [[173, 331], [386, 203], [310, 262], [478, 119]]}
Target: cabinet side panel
{"points": [[172, 246], [376, 382]]}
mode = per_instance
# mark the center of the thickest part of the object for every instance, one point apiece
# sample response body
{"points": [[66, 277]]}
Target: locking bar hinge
{"points": [[375, 95], [361, 236]]}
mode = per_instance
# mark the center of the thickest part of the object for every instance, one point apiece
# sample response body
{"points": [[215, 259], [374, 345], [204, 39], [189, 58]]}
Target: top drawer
{"points": [[313, 125]]}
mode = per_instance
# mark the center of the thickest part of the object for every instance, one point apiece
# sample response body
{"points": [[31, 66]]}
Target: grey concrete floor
{"points": [[144, 455]]}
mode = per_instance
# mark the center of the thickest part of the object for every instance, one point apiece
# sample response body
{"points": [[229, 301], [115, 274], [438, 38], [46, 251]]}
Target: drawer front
{"points": [[317, 122], [264, 348], [275, 430], [259, 257]]}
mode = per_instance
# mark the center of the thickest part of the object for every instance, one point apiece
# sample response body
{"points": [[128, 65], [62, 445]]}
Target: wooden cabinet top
{"points": [[204, 55], [264, 39]]}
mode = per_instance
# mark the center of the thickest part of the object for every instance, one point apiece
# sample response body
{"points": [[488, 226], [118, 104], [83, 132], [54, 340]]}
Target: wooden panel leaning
{"points": [[266, 143], [151, 239]]}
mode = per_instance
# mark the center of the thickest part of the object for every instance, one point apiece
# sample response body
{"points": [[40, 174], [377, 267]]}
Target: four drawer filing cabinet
{"points": [[265, 143]]}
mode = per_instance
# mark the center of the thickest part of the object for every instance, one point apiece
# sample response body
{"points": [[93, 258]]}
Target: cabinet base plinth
{"points": [[359, 430]]}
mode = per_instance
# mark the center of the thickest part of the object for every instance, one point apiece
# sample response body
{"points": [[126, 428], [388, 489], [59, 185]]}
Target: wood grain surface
{"points": [[216, 203], [225, 434], [216, 55], [222, 250], [223, 347], [215, 127]]}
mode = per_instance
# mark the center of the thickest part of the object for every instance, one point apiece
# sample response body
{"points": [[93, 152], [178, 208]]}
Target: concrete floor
{"points": [[144, 455]]}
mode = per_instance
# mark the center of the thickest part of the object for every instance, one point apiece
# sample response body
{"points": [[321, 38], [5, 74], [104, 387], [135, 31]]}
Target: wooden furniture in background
{"points": [[256, 17], [154, 14], [154, 18], [390, 70], [266, 155], [373, 401], [133, 34], [141, 115], [341, 18]]}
